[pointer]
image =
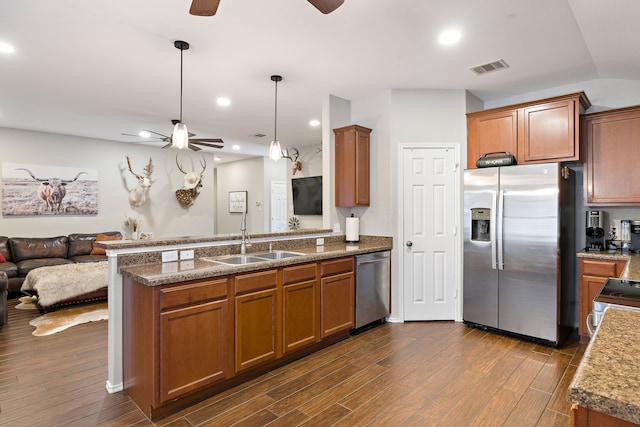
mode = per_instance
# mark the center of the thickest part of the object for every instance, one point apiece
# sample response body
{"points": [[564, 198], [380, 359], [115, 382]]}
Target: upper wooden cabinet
{"points": [[352, 166], [534, 132], [612, 157]]}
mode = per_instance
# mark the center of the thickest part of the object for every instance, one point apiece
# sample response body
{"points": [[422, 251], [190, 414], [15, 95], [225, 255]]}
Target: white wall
{"points": [[396, 117], [162, 215]]}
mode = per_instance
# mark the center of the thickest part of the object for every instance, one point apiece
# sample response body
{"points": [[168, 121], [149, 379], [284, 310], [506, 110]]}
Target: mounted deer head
{"points": [[192, 183], [297, 166], [138, 196]]}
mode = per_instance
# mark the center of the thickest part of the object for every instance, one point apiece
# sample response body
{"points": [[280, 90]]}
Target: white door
{"points": [[278, 206], [429, 233]]}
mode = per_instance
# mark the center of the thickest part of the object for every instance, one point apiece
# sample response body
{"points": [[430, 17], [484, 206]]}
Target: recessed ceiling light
{"points": [[223, 101], [449, 36], [144, 134], [236, 147], [6, 48], [314, 123], [217, 158]]}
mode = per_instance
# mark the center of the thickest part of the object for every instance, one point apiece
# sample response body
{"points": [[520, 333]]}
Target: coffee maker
{"points": [[595, 232]]}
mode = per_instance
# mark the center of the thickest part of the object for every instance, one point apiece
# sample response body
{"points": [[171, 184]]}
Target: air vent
{"points": [[258, 135], [491, 66]]}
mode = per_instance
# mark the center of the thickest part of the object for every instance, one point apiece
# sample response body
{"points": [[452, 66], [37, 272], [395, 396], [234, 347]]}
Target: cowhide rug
{"points": [[63, 318]]}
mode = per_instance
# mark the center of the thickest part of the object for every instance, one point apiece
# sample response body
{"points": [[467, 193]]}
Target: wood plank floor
{"points": [[412, 374]]}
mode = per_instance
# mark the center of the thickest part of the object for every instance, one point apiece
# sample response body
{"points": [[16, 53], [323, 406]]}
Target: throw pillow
{"points": [[99, 238], [2, 258]]}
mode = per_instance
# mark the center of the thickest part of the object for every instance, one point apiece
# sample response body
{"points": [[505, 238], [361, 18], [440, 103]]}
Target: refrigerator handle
{"points": [[500, 226], [492, 230]]}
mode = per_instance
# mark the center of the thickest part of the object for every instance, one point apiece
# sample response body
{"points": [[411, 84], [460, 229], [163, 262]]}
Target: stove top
{"points": [[619, 292]]}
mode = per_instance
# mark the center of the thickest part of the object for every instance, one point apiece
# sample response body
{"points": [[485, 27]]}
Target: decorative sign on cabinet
{"points": [[534, 132], [352, 166]]}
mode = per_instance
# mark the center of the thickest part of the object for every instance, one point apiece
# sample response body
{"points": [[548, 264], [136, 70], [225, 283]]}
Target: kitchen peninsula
{"points": [[194, 327]]}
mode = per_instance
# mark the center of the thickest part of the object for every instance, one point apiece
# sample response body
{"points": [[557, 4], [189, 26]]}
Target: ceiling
{"points": [[101, 68]]}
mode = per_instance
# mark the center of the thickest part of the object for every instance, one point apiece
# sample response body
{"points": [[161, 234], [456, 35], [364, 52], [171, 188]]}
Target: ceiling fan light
{"points": [[180, 136], [275, 152]]}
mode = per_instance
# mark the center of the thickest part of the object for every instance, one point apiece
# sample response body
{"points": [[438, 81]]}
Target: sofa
{"points": [[4, 284], [20, 255]]}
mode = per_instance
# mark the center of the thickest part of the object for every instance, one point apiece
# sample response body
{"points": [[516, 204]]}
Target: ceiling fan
{"points": [[209, 7], [184, 137], [193, 142]]}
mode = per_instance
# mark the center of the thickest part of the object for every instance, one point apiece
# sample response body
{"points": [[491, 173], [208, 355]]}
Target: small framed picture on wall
{"points": [[237, 201]]}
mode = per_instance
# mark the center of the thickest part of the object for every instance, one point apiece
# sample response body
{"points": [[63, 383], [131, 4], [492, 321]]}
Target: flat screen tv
{"points": [[307, 195]]}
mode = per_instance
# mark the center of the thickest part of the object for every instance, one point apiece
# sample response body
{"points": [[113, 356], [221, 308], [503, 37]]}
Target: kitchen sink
{"points": [[236, 259], [277, 255]]}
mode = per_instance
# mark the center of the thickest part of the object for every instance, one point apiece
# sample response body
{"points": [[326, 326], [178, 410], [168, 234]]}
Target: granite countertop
{"points": [[199, 268], [608, 377], [632, 270]]}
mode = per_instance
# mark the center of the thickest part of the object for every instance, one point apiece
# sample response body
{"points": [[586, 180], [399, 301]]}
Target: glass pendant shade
{"points": [[180, 136], [275, 152]]}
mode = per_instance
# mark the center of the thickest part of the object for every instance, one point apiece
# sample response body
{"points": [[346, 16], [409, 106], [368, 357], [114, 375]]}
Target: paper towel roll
{"points": [[353, 229]]}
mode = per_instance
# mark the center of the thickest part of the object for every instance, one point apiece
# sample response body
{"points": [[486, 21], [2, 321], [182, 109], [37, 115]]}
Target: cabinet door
{"points": [[300, 315], [352, 169], [492, 132], [550, 133], [190, 359], [590, 287], [337, 303], [256, 329], [613, 158]]}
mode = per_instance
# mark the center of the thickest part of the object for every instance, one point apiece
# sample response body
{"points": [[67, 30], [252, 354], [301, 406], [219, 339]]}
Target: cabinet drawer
{"points": [[193, 293], [256, 281], [299, 273], [342, 265], [603, 268]]}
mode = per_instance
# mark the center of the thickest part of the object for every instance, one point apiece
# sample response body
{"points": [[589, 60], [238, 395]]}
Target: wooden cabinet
{"points": [[257, 319], [352, 166], [337, 296], [301, 306], [166, 352], [612, 157], [584, 417], [593, 272], [535, 132]]}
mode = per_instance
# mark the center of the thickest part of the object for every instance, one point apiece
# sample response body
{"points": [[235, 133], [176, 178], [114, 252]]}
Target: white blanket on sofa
{"points": [[60, 282]]}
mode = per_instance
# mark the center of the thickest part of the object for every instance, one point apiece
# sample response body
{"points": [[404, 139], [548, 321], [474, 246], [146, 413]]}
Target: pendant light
{"points": [[275, 152], [180, 135]]}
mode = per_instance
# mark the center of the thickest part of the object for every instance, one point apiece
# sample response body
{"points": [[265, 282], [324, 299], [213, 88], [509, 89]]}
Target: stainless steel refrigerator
{"points": [[519, 250]]}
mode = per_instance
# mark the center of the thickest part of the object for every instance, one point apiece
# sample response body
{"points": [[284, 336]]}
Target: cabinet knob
{"points": [[409, 243]]}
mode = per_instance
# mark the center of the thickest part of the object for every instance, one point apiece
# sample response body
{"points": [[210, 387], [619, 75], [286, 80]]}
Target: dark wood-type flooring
{"points": [[412, 374]]}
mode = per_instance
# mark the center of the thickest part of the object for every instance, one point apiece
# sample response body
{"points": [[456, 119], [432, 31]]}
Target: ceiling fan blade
{"points": [[156, 133], [326, 6], [202, 140], [167, 146], [204, 7], [194, 148]]}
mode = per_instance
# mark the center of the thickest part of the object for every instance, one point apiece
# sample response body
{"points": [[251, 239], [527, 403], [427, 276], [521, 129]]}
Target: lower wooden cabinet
{"points": [[301, 307], [583, 417], [189, 359], [183, 341], [593, 272], [337, 296], [256, 319], [176, 339]]}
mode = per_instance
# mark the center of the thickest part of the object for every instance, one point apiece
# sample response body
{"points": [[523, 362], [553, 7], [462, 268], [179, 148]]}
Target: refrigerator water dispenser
{"points": [[480, 224]]}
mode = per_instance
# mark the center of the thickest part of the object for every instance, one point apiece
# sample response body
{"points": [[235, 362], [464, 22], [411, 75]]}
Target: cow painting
{"points": [[52, 190]]}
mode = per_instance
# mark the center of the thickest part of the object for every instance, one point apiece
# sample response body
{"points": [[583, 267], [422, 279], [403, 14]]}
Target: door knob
{"points": [[409, 243]]}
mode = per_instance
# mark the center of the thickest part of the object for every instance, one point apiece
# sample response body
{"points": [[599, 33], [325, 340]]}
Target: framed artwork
{"points": [[29, 189], [237, 201]]}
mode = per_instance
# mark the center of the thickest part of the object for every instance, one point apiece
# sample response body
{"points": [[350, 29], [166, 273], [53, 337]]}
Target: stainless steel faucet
{"points": [[243, 230]]}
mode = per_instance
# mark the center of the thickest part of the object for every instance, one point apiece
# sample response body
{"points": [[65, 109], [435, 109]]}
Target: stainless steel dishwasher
{"points": [[373, 283]]}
